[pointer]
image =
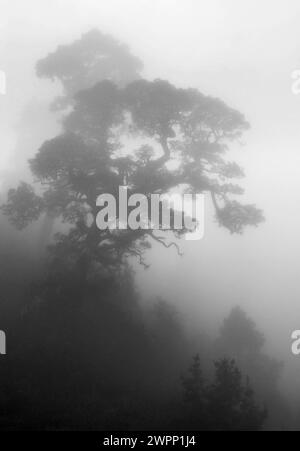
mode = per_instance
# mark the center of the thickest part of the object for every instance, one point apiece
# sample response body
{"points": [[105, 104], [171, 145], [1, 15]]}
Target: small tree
{"points": [[193, 411], [193, 384], [231, 403], [226, 404], [241, 340], [239, 336]]}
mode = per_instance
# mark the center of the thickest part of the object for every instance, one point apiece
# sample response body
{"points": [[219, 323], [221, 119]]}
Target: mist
{"points": [[243, 53]]}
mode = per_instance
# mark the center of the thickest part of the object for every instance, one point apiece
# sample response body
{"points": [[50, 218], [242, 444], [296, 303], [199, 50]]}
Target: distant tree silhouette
{"points": [[193, 383], [240, 335], [226, 404], [239, 339], [231, 403]]}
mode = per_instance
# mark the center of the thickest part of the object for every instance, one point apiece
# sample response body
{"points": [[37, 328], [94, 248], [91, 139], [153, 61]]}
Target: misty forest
{"points": [[85, 349]]}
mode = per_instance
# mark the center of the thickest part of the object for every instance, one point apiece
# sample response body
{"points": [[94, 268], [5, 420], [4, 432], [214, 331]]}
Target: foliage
{"points": [[83, 63], [193, 383], [239, 339], [185, 138], [239, 334], [226, 404]]}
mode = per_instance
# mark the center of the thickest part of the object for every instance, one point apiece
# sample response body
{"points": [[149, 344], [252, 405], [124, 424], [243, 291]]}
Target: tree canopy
{"points": [[80, 65]]}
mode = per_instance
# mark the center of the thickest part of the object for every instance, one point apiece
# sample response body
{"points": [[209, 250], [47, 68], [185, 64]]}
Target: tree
{"points": [[241, 340], [193, 383], [239, 336], [231, 403], [178, 141], [225, 404]]}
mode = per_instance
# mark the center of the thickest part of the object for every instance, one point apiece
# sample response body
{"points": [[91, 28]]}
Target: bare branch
{"points": [[162, 241]]}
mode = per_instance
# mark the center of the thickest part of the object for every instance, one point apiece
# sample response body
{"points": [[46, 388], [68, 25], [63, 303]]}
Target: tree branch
{"points": [[161, 240]]}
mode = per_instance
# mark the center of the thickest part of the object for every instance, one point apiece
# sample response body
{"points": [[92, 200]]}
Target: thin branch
{"points": [[140, 256], [161, 240]]}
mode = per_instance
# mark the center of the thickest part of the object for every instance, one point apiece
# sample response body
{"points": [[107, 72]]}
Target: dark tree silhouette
{"points": [[193, 383], [184, 136], [226, 404], [239, 339], [240, 335], [80, 65], [231, 403]]}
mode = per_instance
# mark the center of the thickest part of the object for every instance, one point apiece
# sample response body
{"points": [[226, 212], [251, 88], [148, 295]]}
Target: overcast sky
{"points": [[241, 51]]}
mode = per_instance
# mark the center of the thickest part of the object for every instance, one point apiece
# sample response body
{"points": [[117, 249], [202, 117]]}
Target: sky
{"points": [[241, 51]]}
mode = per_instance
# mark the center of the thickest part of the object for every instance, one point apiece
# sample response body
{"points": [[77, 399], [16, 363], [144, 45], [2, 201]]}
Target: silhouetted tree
{"points": [[239, 339], [91, 157], [231, 403], [81, 65], [193, 383], [240, 336], [226, 404], [153, 138]]}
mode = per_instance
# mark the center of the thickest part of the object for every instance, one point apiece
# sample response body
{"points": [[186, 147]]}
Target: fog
{"points": [[241, 52]]}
